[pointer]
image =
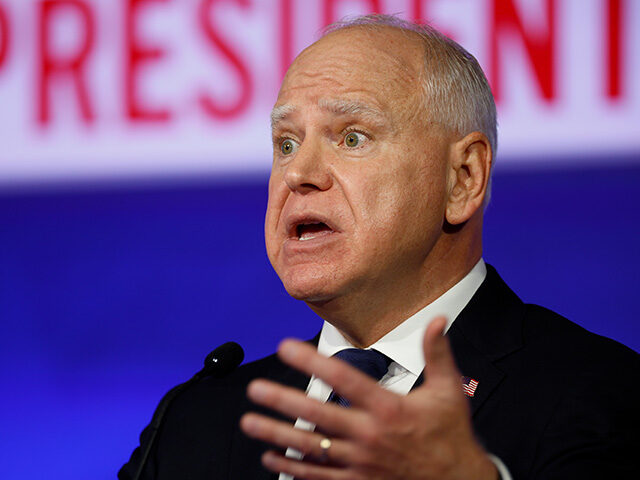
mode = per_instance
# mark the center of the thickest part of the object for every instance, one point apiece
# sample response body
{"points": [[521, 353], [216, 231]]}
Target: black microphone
{"points": [[220, 362]]}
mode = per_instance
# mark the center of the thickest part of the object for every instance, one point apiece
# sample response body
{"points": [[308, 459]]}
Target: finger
{"points": [[301, 469], [439, 362], [284, 435], [293, 403], [358, 388]]}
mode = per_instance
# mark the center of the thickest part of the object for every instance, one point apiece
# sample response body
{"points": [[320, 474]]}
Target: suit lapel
{"points": [[488, 329], [473, 363]]}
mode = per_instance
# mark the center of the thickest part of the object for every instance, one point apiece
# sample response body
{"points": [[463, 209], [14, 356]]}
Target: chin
{"points": [[310, 284]]}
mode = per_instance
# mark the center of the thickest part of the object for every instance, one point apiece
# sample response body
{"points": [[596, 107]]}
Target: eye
{"points": [[354, 139], [288, 146]]}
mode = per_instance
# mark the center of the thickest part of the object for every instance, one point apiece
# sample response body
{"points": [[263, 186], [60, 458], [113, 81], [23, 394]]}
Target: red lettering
{"points": [[329, 8], [137, 55], [211, 107], [539, 46], [286, 36], [417, 11], [614, 38], [73, 66], [5, 35]]}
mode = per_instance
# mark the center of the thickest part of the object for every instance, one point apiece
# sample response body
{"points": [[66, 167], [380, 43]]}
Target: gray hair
{"points": [[457, 93]]}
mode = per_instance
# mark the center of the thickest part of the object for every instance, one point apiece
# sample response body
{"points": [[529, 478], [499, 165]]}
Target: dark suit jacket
{"points": [[553, 400]]}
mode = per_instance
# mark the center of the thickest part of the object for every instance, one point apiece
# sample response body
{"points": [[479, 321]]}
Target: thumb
{"points": [[440, 366]]}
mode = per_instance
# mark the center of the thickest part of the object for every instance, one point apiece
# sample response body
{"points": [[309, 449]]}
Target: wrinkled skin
{"points": [[386, 199]]}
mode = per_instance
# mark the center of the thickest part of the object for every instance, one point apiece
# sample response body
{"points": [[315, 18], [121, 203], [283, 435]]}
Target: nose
{"points": [[308, 171]]}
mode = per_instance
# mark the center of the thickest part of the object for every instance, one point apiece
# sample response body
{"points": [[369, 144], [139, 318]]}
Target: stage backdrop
{"points": [[134, 157]]}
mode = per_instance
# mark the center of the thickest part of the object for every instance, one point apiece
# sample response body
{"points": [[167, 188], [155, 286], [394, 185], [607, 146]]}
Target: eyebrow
{"points": [[280, 113], [336, 106]]}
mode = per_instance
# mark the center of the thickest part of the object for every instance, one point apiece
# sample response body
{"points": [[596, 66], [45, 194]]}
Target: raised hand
{"points": [[424, 435]]}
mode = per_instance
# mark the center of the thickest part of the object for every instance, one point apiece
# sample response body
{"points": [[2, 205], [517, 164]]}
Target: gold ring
{"points": [[325, 445]]}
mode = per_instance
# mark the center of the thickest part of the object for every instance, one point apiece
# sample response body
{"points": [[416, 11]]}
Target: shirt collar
{"points": [[403, 344]]}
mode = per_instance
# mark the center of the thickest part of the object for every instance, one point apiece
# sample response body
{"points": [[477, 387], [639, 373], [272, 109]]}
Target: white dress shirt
{"points": [[403, 345]]}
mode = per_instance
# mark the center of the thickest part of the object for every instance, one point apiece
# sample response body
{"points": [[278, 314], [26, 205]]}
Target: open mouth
{"points": [[309, 231]]}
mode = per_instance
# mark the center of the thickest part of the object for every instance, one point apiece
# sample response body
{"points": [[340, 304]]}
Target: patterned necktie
{"points": [[370, 362]]}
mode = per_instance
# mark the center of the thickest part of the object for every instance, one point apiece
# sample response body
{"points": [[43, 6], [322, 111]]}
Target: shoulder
{"points": [[582, 389], [579, 380], [546, 361], [567, 345], [211, 391], [228, 393], [186, 442], [499, 322], [200, 427], [566, 402]]}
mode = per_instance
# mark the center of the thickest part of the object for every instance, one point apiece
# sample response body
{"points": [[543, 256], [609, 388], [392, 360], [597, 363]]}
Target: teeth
{"points": [[307, 236]]}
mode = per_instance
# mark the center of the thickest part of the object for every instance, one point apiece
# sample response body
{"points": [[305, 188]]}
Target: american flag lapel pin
{"points": [[469, 386]]}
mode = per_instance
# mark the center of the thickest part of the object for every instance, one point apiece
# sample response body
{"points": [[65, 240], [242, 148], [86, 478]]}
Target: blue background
{"points": [[111, 294]]}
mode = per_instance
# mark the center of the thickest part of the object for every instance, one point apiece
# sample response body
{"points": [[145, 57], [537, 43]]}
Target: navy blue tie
{"points": [[371, 362]]}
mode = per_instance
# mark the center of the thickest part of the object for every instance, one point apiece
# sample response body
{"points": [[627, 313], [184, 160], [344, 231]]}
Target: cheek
{"points": [[277, 198], [401, 209], [383, 198], [269, 233]]}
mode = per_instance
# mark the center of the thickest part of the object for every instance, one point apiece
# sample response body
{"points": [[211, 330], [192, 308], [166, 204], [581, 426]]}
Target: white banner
{"points": [[120, 88]]}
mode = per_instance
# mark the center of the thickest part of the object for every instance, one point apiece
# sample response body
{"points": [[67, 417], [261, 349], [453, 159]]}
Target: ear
{"points": [[470, 166]]}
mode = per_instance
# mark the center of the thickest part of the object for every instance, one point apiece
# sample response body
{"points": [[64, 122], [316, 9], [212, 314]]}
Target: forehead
{"points": [[380, 67], [335, 106]]}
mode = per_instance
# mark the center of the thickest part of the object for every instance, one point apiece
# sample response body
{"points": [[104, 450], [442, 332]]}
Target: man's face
{"points": [[357, 192]]}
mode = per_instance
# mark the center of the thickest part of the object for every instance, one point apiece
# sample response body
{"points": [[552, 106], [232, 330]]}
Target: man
{"points": [[384, 135]]}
